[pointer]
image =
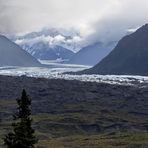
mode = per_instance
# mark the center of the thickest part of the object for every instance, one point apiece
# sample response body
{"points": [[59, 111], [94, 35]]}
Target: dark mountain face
{"points": [[12, 55], [92, 54], [130, 56]]}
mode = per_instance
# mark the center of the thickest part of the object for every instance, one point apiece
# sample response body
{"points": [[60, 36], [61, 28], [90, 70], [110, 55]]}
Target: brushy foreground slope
{"points": [[73, 114]]}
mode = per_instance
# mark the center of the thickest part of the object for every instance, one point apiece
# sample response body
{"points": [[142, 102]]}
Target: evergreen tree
{"points": [[23, 134]]}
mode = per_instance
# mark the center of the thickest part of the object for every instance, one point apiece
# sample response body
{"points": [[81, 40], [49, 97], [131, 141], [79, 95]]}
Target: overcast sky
{"points": [[105, 19]]}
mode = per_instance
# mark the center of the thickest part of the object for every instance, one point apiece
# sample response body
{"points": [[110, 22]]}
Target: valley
{"points": [[71, 113], [74, 74]]}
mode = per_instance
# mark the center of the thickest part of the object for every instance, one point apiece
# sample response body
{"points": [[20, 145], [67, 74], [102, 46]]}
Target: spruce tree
{"points": [[23, 134]]}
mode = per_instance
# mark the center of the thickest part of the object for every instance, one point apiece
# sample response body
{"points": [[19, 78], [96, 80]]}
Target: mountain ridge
{"points": [[92, 54], [42, 51], [129, 57]]}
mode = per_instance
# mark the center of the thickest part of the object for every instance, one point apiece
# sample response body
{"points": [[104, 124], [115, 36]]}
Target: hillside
{"points": [[92, 54], [66, 113], [12, 55], [128, 58]]}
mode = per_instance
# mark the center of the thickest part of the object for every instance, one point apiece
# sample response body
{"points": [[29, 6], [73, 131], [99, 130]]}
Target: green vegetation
{"points": [[22, 135], [74, 114], [87, 125], [119, 140]]}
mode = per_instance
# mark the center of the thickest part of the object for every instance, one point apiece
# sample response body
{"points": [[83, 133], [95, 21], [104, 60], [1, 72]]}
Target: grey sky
{"points": [[94, 19]]}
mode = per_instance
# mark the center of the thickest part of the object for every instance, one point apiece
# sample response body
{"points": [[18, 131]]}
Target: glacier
{"points": [[57, 70]]}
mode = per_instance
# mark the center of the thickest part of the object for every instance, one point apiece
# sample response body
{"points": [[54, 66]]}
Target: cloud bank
{"points": [[103, 20], [74, 43]]}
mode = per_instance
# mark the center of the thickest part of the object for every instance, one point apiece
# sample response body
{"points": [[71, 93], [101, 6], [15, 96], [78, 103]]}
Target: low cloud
{"points": [[51, 41], [95, 20]]}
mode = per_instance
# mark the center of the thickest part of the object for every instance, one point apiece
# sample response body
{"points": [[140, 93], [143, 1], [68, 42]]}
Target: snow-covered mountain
{"points": [[92, 54], [53, 44], [49, 44], [42, 51], [12, 55]]}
